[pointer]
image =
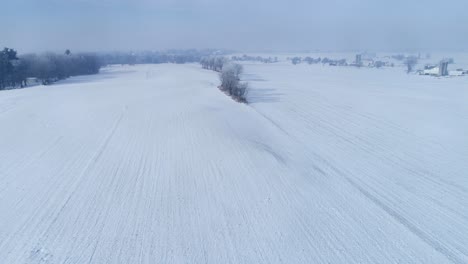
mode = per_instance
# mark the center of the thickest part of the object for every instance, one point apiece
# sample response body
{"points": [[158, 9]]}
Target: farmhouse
{"points": [[31, 81]]}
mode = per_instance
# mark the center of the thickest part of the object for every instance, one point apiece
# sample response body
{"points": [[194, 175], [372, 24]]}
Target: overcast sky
{"points": [[250, 25]]}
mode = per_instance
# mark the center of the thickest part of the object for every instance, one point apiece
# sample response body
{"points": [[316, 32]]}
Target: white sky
{"points": [[94, 25]]}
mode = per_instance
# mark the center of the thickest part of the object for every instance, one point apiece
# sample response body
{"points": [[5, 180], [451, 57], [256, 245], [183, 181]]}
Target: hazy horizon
{"points": [[337, 25]]}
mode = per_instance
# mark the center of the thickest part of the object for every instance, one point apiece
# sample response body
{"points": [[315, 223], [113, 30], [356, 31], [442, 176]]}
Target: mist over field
{"points": [[204, 131]]}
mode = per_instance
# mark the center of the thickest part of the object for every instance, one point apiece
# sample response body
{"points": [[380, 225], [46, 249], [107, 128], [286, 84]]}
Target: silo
{"points": [[443, 68]]}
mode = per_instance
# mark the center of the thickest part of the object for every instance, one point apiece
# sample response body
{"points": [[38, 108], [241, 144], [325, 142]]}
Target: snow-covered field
{"points": [[153, 164]]}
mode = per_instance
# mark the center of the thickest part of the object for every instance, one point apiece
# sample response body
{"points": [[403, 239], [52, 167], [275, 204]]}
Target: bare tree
{"points": [[229, 79], [230, 82], [410, 62], [296, 60], [238, 69], [219, 63]]}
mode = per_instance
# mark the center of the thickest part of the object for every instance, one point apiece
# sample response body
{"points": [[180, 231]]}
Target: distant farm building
{"points": [[32, 81], [457, 72], [443, 68], [430, 70], [358, 60]]}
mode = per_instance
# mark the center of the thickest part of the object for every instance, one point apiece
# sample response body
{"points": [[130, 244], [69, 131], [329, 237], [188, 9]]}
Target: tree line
{"points": [[15, 71], [254, 58], [310, 60], [231, 84], [229, 75], [213, 63], [46, 68], [155, 57]]}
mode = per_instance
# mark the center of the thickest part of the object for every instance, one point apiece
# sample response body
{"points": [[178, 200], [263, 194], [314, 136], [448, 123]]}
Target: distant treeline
{"points": [[254, 58], [156, 57], [18, 70], [310, 60], [15, 71]]}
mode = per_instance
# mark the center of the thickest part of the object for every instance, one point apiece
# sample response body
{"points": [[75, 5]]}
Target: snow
{"points": [[153, 164]]}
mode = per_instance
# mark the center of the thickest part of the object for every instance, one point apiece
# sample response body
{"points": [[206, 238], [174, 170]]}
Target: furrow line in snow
{"points": [[434, 243], [87, 167]]}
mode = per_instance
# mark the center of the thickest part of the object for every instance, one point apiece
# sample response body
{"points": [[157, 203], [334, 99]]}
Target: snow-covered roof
{"points": [[433, 71]]}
